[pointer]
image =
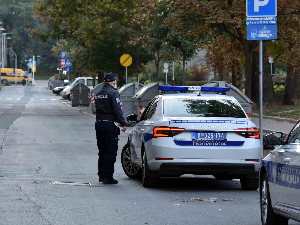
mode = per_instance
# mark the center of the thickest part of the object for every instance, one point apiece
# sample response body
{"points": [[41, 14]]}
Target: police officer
{"points": [[108, 111]]}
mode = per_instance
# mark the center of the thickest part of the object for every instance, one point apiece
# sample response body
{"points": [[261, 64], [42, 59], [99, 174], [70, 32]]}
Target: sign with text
{"points": [[261, 20]]}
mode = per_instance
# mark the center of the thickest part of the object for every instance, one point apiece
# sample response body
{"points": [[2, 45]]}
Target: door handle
{"points": [[286, 160]]}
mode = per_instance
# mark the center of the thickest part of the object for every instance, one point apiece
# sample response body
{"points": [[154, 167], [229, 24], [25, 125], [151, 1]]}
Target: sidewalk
{"points": [[271, 124]]}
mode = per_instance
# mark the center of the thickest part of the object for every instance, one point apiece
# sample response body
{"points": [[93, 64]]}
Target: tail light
{"points": [[166, 131], [249, 115], [248, 132]]}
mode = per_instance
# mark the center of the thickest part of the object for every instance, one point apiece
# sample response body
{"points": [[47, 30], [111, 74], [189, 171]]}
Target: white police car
{"points": [[280, 179], [193, 133]]}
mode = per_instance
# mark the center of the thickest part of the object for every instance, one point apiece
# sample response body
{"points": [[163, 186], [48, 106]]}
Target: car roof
{"points": [[197, 96]]}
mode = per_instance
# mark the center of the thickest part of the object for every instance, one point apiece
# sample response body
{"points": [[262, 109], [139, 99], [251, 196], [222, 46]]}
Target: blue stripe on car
{"points": [[147, 137], [208, 121], [283, 174], [209, 143]]}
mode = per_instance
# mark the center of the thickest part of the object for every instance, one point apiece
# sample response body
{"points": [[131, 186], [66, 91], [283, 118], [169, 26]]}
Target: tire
{"points": [[69, 97], [130, 170], [268, 216], [147, 180], [249, 183]]}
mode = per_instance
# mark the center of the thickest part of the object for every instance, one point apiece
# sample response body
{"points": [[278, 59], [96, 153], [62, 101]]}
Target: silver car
{"points": [[280, 178], [205, 134]]}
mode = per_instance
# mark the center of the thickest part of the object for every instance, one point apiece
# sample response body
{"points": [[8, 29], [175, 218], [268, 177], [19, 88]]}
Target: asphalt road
{"points": [[48, 166]]}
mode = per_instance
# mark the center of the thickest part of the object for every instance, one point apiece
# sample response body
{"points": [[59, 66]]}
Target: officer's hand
{"points": [[124, 128]]}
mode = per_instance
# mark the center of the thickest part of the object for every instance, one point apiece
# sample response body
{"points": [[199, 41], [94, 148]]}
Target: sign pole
{"points": [[126, 75], [33, 83], [261, 96], [166, 78]]}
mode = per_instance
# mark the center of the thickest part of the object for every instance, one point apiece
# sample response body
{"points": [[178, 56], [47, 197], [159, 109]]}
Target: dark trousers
{"points": [[107, 141]]}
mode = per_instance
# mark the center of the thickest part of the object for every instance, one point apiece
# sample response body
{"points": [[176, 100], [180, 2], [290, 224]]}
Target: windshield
{"points": [[202, 108]]}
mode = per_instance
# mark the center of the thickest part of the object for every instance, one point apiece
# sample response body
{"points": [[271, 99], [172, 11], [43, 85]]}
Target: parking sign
{"points": [[259, 8]]}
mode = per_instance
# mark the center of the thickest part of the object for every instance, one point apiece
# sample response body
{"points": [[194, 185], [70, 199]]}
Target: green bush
{"points": [[279, 91]]}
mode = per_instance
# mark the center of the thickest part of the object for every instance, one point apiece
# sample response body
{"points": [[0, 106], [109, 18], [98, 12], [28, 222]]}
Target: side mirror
{"points": [[272, 139], [132, 119]]}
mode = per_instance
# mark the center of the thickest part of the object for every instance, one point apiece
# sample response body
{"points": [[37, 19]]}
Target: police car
{"points": [[280, 179], [204, 133]]}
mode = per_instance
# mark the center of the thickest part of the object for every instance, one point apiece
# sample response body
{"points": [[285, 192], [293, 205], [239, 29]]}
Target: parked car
{"points": [[280, 178], [58, 90], [88, 81], [193, 133]]}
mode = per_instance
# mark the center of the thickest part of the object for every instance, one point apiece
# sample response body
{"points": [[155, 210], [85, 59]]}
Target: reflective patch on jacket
{"points": [[100, 96]]}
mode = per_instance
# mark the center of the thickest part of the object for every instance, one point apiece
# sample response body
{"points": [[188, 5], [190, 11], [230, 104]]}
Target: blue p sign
{"points": [[259, 8], [63, 55]]}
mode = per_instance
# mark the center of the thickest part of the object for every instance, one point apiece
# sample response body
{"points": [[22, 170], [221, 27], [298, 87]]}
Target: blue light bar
{"points": [[215, 89], [193, 88]]}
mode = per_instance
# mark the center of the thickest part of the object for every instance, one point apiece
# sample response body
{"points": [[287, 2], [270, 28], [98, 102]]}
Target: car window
{"points": [[202, 108], [294, 136], [151, 110], [79, 81], [148, 110]]}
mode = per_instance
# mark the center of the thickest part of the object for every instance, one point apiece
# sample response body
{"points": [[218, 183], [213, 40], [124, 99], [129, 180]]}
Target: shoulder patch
{"points": [[118, 100]]}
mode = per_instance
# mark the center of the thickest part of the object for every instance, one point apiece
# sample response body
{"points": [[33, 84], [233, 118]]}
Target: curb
{"points": [[276, 118]]}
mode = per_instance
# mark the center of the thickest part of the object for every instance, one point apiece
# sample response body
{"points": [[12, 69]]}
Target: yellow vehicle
{"points": [[8, 74]]}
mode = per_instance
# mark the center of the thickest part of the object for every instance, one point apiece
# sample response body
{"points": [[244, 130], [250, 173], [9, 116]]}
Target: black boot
{"points": [[109, 181]]}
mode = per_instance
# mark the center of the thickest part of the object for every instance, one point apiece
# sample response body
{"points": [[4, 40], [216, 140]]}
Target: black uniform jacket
{"points": [[108, 105]]}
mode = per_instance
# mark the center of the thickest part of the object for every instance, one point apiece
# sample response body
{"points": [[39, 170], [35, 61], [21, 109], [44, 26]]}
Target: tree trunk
{"points": [[226, 76], [296, 98], [247, 53], [268, 89], [157, 59], [183, 67], [236, 78], [289, 86], [289, 83], [255, 77], [137, 64]]}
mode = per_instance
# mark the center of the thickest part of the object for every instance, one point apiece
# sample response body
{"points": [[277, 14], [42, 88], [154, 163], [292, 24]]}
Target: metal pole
{"points": [[173, 79], [126, 75], [261, 75], [4, 51], [33, 71]]}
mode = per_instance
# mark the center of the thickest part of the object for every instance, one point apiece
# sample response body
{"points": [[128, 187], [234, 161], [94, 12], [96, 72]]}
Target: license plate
{"points": [[209, 136]]}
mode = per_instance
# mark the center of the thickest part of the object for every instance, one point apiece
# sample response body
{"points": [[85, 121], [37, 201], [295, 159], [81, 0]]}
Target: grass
{"points": [[283, 111], [287, 111]]}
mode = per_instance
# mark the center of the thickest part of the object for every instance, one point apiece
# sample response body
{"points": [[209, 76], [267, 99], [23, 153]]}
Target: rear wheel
{"points": [[69, 98], [268, 216], [147, 180], [129, 168], [249, 183]]}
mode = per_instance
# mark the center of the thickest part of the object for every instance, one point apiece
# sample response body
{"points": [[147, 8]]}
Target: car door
{"points": [[287, 165], [138, 131]]}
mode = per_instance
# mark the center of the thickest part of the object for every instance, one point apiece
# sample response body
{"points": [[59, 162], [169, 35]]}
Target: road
{"points": [[48, 166]]}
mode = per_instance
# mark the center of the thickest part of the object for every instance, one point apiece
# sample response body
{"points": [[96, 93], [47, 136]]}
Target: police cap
{"points": [[109, 77]]}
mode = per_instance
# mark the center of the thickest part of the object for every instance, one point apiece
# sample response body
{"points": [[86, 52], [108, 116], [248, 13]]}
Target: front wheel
{"points": [[129, 168], [268, 216], [147, 180]]}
